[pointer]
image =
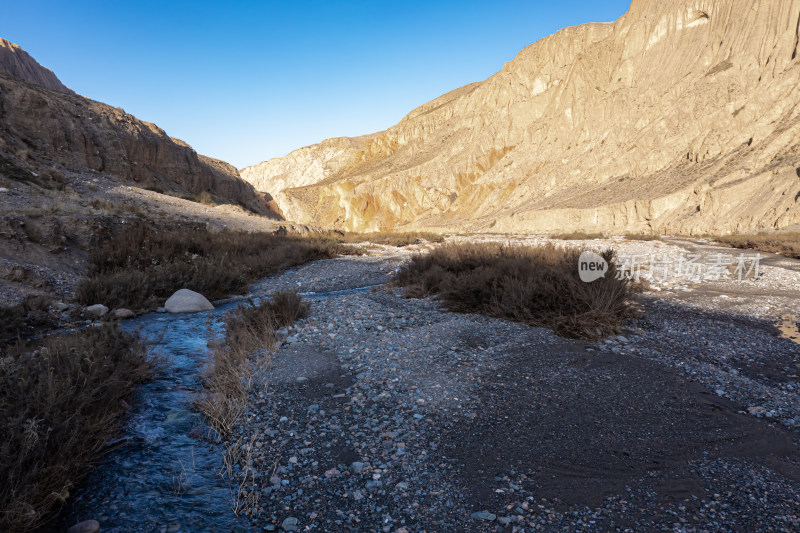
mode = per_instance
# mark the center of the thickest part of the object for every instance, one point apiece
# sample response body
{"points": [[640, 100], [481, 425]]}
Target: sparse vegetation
{"points": [[60, 403], [204, 198], [577, 236], [119, 208], [537, 286], [642, 237], [137, 266], [787, 244], [398, 239], [250, 328], [21, 319]]}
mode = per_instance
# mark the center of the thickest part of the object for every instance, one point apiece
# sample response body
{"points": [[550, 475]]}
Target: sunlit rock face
{"points": [[16, 62], [681, 116]]}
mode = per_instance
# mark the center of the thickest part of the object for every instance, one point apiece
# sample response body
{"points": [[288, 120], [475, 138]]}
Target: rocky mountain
{"points": [[45, 127], [682, 116], [16, 62]]}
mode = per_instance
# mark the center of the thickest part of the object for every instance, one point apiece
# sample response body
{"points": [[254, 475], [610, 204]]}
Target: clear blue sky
{"points": [[246, 81]]}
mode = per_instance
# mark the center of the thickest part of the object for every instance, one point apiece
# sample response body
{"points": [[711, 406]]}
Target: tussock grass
{"points": [[60, 403], [137, 266], [577, 236], [787, 244], [249, 329], [537, 286]]}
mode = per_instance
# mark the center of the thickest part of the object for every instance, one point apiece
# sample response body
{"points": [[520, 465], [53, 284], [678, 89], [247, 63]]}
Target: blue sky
{"points": [[246, 81]]}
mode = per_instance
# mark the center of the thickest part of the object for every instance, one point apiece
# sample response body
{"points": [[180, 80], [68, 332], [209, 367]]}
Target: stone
{"points": [[357, 467], [186, 301], [289, 524], [60, 306], [333, 472], [98, 310], [87, 526], [121, 313], [483, 515]]}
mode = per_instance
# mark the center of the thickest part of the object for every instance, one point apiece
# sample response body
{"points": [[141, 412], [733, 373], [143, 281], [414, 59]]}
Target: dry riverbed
{"points": [[382, 413]]}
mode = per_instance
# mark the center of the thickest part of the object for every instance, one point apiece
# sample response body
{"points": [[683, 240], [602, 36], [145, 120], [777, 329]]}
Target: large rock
{"points": [[186, 301], [87, 526], [678, 117], [98, 310], [122, 313]]}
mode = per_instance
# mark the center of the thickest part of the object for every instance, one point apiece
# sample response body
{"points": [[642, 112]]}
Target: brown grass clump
{"points": [[642, 237], [250, 328], [138, 266], [787, 244], [577, 236], [398, 239], [23, 319], [537, 286], [60, 403]]}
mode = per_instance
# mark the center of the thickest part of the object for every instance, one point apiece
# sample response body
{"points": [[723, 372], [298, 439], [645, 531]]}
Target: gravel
{"points": [[382, 413]]}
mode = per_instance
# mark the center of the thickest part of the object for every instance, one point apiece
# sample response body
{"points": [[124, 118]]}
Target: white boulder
{"points": [[121, 312], [98, 310], [186, 301]]}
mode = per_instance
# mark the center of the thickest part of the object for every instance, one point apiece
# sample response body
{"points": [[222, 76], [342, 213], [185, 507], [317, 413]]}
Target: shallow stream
{"points": [[162, 474]]}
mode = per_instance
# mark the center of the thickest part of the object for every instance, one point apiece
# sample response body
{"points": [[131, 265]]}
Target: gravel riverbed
{"points": [[382, 413]]}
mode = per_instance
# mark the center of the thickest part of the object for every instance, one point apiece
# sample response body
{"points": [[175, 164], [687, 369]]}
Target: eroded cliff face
{"points": [[41, 129], [16, 62], [44, 126], [681, 116]]}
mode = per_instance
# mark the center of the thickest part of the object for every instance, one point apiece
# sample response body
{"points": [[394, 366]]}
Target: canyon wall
{"points": [[682, 117]]}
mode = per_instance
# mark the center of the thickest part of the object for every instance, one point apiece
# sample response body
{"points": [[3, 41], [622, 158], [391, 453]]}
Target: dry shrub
{"points": [[60, 403], [25, 318], [398, 239], [642, 237], [204, 198], [787, 244], [577, 236], [537, 286], [250, 328], [138, 266]]}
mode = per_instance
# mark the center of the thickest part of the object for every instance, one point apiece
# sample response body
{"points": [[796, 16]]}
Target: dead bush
{"points": [[577, 236], [537, 286], [787, 244], [138, 266], [60, 403], [398, 239], [251, 328]]}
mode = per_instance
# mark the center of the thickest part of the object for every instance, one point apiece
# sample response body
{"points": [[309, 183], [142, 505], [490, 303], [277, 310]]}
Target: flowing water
{"points": [[162, 474]]}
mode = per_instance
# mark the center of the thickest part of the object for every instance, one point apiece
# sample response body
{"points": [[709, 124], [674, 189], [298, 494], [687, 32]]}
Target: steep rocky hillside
{"points": [[16, 62], [682, 116], [45, 128]]}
